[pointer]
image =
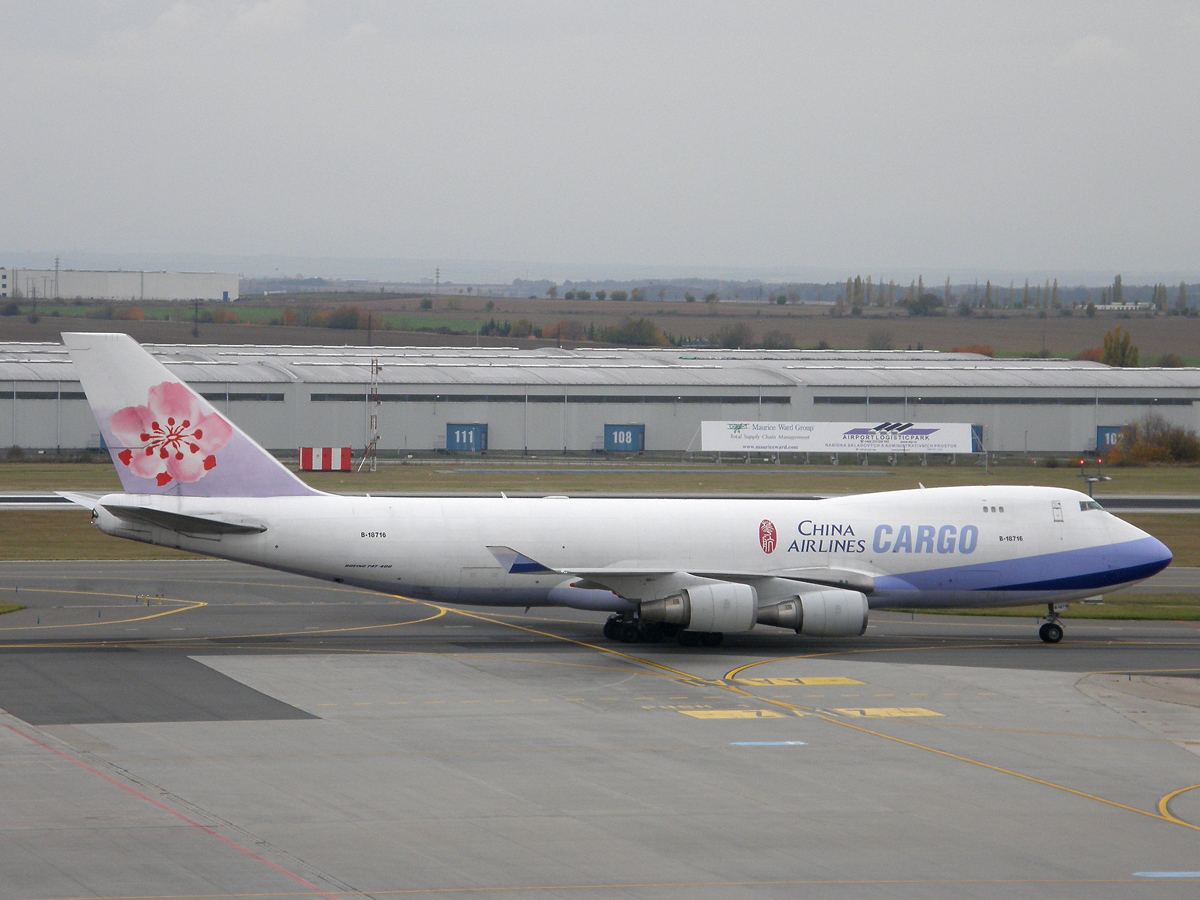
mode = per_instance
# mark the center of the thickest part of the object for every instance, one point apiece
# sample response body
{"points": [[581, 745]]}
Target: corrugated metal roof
{"points": [[1005, 376], [663, 368]]}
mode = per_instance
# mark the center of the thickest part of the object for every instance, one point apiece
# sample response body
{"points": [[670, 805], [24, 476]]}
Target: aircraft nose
{"points": [[1159, 553], [1145, 557]]}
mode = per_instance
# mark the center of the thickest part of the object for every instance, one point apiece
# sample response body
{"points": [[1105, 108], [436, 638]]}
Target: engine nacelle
{"points": [[706, 607], [831, 613]]}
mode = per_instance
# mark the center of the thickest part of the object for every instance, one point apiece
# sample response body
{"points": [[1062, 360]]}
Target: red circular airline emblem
{"points": [[766, 536]]}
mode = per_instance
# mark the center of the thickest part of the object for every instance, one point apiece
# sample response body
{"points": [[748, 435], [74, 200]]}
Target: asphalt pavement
{"points": [[204, 729]]}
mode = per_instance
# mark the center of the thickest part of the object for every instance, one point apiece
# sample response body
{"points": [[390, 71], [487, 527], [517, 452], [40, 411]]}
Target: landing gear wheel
{"points": [[628, 633], [610, 627], [712, 638], [652, 633], [1051, 632]]}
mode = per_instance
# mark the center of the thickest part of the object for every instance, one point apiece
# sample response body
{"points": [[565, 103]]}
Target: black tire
{"points": [[652, 633], [628, 633], [712, 638], [610, 628], [1051, 633], [689, 639]]}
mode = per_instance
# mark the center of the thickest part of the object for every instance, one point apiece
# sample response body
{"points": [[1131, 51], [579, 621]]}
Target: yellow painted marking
{"points": [[663, 671], [660, 670], [731, 713], [362, 704], [888, 712], [1063, 734], [468, 701], [608, 699], [885, 695], [539, 701], [434, 702], [1010, 772], [504, 701], [398, 703], [789, 682], [951, 695], [573, 699], [1166, 813], [186, 606], [326, 704], [677, 698]]}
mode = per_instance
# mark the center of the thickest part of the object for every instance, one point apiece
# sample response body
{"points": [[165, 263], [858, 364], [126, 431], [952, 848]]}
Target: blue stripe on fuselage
{"points": [[1090, 568]]}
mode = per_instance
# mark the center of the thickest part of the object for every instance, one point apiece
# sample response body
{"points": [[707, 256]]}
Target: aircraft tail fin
{"points": [[164, 437]]}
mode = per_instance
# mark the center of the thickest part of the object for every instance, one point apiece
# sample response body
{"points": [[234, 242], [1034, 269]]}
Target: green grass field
{"points": [[582, 475], [50, 535], [9, 607], [68, 534], [1168, 607]]}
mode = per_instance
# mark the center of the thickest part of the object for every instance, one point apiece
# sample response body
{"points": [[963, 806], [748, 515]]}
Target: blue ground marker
{"points": [[1181, 875]]}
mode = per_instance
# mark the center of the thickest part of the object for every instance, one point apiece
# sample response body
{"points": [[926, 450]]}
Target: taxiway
{"points": [[207, 729]]}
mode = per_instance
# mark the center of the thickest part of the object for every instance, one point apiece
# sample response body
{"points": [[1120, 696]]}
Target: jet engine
{"points": [[831, 613], [706, 607]]}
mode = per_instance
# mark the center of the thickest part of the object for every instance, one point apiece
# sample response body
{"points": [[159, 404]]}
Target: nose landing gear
{"points": [[1052, 631]]}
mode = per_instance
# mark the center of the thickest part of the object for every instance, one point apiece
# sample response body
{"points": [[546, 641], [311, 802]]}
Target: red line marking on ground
{"points": [[127, 789]]}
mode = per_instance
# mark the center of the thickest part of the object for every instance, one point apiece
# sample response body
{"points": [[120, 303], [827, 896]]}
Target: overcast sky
{"points": [[845, 137]]}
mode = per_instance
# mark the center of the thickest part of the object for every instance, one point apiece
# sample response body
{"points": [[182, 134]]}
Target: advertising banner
{"points": [[836, 437]]}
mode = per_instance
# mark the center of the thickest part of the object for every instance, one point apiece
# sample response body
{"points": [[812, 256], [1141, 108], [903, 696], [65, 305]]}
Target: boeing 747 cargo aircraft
{"points": [[690, 569]]}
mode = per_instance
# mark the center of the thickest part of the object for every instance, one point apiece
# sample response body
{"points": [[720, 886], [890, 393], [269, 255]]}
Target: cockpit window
{"points": [[1085, 505]]}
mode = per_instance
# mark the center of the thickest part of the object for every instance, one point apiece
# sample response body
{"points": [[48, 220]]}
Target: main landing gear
{"points": [[1052, 631], [633, 631]]}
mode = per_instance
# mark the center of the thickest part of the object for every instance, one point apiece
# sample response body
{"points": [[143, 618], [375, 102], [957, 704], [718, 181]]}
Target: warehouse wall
{"points": [[283, 416]]}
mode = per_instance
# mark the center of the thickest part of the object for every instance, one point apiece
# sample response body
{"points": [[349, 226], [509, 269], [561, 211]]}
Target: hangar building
{"points": [[585, 400], [69, 284]]}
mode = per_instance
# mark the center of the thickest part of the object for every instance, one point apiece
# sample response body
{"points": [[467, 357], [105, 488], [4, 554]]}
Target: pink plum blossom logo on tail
{"points": [[170, 438]]}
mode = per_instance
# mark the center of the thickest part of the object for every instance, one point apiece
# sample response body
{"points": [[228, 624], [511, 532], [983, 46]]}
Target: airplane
{"points": [[687, 569]]}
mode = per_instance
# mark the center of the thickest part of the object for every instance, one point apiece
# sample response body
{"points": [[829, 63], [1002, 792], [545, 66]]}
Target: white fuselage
{"points": [[945, 547]]}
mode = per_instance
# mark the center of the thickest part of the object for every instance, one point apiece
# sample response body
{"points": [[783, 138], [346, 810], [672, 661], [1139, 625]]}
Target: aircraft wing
{"points": [[640, 582]]}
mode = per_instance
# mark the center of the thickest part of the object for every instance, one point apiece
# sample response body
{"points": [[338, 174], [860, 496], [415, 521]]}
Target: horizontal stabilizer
{"points": [[182, 523], [87, 501]]}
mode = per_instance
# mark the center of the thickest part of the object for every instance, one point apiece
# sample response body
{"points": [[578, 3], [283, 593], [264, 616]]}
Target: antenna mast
{"points": [[371, 453]]}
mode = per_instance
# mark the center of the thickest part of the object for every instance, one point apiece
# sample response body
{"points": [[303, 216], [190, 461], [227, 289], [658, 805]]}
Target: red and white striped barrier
{"points": [[324, 459]]}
